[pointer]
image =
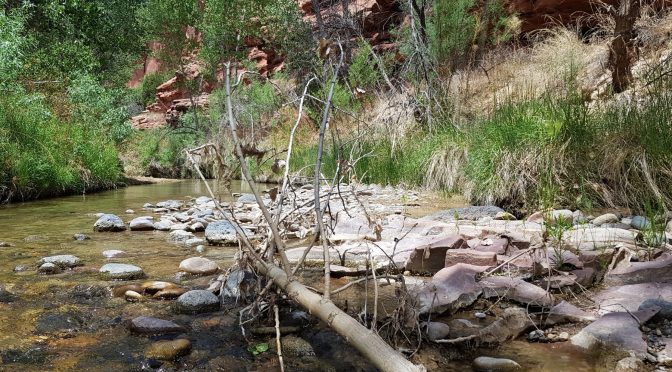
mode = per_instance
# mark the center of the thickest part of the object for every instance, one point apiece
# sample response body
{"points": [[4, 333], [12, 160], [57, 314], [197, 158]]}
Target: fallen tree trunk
{"points": [[366, 341]]}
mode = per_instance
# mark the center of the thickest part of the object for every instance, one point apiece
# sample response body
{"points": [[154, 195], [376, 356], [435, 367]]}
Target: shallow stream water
{"points": [[69, 322]]}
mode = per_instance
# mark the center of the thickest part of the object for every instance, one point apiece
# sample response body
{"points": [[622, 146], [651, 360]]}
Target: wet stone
{"points": [[197, 301], [221, 233], [199, 266], [150, 325], [62, 261], [168, 350], [495, 364], [109, 222], [58, 322], [121, 271], [144, 223], [81, 237], [48, 268], [111, 253]]}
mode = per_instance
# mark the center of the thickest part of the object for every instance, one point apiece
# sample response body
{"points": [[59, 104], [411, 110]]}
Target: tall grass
{"points": [[42, 155]]}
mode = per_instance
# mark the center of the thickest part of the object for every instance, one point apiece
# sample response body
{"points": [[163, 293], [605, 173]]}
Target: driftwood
{"points": [[368, 342]]}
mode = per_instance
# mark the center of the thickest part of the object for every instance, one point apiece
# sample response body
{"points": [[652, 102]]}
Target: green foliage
{"points": [[363, 72], [451, 29], [258, 348], [12, 45], [44, 156], [147, 89], [97, 107]]}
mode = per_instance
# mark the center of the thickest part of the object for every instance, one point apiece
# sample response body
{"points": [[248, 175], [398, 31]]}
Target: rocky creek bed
{"points": [[138, 279]]}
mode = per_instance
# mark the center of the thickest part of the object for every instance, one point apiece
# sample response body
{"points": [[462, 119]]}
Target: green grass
{"points": [[42, 155]]}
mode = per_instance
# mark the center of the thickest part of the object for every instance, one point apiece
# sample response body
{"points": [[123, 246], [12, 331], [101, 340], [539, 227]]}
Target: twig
{"points": [[246, 174], [316, 185], [277, 337], [456, 340]]}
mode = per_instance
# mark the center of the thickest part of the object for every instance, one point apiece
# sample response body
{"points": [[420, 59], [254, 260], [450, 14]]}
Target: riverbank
{"points": [[70, 319]]}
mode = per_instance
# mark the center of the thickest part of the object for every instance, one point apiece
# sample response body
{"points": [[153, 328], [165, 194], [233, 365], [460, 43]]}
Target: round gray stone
{"points": [[221, 233], [109, 222], [150, 325], [121, 271], [197, 301], [199, 266], [143, 223]]}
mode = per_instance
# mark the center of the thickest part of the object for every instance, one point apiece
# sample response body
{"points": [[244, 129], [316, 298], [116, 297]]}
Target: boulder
{"points": [[605, 218], [63, 261], [564, 312], [516, 289], [641, 272], [120, 271], [247, 199], [589, 238], [221, 233], [450, 289], [486, 364], [617, 332], [513, 322], [437, 330], [432, 257], [170, 204], [180, 236], [48, 268], [109, 222], [199, 266], [144, 223], [197, 301], [154, 326], [471, 257], [163, 225], [558, 215], [632, 297], [168, 350], [473, 213]]}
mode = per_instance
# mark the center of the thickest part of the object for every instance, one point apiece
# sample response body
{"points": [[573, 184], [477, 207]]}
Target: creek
{"points": [[69, 321]]}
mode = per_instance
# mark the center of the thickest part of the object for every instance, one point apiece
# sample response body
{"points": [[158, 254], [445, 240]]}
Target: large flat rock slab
{"points": [[517, 290], [618, 332], [589, 238], [630, 297], [641, 272], [450, 289]]}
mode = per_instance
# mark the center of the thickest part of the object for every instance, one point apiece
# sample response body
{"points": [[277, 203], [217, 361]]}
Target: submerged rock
{"points": [[487, 364], [197, 301], [513, 322], [62, 261], [168, 350], [111, 253], [109, 222], [80, 237], [121, 271], [170, 204], [149, 325], [144, 223], [199, 266]]}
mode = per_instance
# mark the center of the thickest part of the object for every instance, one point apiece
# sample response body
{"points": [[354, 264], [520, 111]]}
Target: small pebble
{"points": [[130, 211], [200, 248], [480, 315]]}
